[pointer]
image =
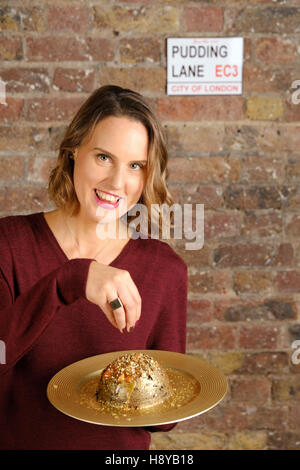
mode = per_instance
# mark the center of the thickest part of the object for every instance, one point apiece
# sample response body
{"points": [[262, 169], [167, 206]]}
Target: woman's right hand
{"points": [[104, 284]]}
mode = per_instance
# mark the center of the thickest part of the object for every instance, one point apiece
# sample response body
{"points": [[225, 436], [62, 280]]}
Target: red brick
{"points": [[263, 197], [141, 79], [210, 196], [204, 282], [288, 281], [292, 112], [199, 258], [212, 169], [25, 79], [255, 390], [200, 108], [271, 417], [144, 49], [294, 417], [199, 311], [222, 418], [260, 19], [266, 169], [293, 168], [259, 337], [252, 281], [262, 225], [194, 139], [11, 168], [292, 225], [292, 197], [12, 110], [253, 254], [68, 18], [159, 18], [210, 337], [275, 49], [265, 363], [262, 79], [263, 138], [54, 109], [23, 138], [74, 80], [283, 440], [69, 49], [235, 310], [16, 200], [220, 225], [201, 281], [204, 19]]}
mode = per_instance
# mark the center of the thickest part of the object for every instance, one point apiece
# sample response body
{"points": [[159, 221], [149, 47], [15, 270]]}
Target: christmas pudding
{"points": [[133, 381]]}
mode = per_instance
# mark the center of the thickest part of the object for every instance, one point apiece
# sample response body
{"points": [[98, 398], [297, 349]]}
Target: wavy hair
{"points": [[114, 101]]}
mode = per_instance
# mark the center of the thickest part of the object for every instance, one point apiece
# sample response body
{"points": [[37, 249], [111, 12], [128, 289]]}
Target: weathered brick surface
{"points": [[237, 155]]}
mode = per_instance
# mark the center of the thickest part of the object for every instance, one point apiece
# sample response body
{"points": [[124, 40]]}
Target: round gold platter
{"points": [[72, 390]]}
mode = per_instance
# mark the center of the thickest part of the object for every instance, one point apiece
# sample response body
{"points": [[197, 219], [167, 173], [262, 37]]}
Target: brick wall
{"points": [[238, 155]]}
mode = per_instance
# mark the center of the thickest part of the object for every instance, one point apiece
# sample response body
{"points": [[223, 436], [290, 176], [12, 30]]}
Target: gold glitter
{"points": [[184, 389]]}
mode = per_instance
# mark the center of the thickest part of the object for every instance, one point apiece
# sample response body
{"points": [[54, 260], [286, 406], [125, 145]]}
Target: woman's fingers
{"points": [[130, 308], [105, 284]]}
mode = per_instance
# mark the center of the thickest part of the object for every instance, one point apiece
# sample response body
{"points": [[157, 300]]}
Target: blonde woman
{"points": [[68, 292]]}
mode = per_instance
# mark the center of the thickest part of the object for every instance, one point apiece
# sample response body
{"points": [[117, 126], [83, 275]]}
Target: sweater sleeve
{"points": [[23, 320], [170, 334]]}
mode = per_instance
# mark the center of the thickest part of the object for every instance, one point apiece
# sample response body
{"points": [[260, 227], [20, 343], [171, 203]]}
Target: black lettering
{"points": [[223, 51], [175, 50], [201, 51], [193, 51], [185, 53]]}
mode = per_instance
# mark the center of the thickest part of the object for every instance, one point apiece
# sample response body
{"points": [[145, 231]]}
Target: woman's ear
{"points": [[74, 154]]}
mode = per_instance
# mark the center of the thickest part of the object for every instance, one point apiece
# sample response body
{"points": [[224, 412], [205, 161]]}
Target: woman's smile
{"points": [[105, 200]]}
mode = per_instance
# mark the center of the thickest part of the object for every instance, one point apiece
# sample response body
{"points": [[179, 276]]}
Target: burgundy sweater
{"points": [[47, 323]]}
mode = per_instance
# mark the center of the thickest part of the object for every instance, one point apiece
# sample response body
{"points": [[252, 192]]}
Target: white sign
{"points": [[204, 66]]}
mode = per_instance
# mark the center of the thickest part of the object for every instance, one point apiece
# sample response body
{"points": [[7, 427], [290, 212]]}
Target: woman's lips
{"points": [[106, 204]]}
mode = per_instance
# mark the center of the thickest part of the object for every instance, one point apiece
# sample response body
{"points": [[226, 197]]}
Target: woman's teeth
{"points": [[106, 197]]}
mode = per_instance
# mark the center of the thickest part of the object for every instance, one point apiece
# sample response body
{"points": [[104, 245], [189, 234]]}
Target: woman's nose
{"points": [[117, 177]]}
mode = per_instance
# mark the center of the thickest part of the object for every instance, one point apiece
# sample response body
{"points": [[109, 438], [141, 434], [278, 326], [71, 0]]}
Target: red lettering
{"points": [[218, 70], [226, 70]]}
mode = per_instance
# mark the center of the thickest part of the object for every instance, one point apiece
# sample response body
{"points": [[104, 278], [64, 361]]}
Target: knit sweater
{"points": [[47, 323]]}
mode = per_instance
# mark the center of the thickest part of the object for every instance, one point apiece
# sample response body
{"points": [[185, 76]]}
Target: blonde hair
{"points": [[115, 101]]}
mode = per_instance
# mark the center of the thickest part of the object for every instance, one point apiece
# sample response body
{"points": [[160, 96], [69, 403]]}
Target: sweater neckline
{"points": [[59, 249]]}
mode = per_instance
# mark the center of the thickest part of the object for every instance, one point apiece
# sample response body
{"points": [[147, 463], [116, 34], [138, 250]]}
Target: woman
{"points": [[68, 292]]}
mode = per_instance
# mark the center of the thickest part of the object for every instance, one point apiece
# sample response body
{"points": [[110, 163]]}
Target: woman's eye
{"points": [[137, 166], [102, 157]]}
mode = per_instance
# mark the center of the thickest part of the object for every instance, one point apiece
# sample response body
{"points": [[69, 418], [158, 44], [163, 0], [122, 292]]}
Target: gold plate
{"points": [[64, 390]]}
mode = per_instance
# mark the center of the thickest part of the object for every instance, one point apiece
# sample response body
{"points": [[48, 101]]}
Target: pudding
{"points": [[133, 381]]}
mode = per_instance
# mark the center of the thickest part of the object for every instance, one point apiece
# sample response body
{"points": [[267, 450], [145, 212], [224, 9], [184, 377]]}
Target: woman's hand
{"points": [[104, 284]]}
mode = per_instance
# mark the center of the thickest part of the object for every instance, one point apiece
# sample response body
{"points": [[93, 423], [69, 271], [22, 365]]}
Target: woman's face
{"points": [[110, 169]]}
